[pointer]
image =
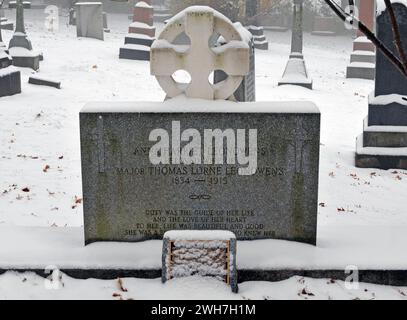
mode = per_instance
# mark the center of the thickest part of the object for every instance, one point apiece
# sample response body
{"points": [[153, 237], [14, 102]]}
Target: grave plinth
{"points": [[383, 143], [10, 79], [362, 60], [204, 253], [141, 33]]}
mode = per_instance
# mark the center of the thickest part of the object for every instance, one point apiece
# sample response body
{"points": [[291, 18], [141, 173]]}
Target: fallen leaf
{"points": [[322, 204], [341, 209], [26, 189], [46, 168], [121, 286]]}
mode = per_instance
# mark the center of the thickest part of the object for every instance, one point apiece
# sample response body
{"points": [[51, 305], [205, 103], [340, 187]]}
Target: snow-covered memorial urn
{"points": [[198, 161]]}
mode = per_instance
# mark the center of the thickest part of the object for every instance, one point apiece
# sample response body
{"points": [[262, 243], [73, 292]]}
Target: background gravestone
{"points": [[296, 72], [362, 60], [385, 129], [89, 20], [20, 47]]}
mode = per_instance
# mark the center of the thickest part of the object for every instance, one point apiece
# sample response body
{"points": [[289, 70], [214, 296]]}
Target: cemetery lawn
{"points": [[362, 216]]}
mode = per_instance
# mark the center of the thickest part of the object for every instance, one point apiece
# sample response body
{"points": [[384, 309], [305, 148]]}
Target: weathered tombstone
{"points": [[10, 78], [384, 140], [203, 253], [362, 60], [296, 72], [141, 33], [89, 20], [20, 47], [251, 168]]}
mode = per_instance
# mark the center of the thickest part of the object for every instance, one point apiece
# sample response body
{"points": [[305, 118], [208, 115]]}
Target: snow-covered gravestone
{"points": [[10, 78], [383, 143], [20, 47], [202, 253], [89, 20], [296, 72], [193, 163]]}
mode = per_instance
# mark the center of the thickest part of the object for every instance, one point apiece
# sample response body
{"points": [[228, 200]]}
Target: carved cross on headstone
{"points": [[199, 59]]}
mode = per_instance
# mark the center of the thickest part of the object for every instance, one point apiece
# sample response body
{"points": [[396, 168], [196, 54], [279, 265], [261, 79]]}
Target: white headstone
{"points": [[200, 59], [89, 20]]}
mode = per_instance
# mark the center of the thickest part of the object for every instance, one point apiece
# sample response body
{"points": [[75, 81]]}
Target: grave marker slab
{"points": [[384, 140], [89, 20]]}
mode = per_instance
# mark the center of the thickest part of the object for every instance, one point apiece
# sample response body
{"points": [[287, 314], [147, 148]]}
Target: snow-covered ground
{"points": [[40, 156]]}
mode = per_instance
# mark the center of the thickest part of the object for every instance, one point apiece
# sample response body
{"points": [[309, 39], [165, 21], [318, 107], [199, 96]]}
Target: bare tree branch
{"points": [[396, 31], [369, 34]]}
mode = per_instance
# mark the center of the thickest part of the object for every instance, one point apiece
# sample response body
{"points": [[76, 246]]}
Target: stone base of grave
{"points": [[25, 58], [261, 45], [142, 28], [296, 72], [259, 39], [363, 56], [361, 70], [383, 143], [143, 260], [10, 82], [20, 40], [363, 44], [135, 52], [380, 157], [141, 39]]}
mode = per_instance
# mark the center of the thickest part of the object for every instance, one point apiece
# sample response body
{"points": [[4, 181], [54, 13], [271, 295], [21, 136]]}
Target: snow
{"points": [[142, 4], [15, 285], [375, 246], [136, 47], [22, 52], [143, 25], [367, 65], [385, 100], [199, 235], [368, 128], [362, 215], [7, 71], [182, 104]]}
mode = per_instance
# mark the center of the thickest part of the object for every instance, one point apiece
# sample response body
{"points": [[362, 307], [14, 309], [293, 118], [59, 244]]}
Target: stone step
{"points": [[361, 70], [384, 136], [256, 31], [363, 43], [142, 28], [379, 157], [261, 45], [135, 52], [135, 38], [259, 38], [363, 56]]}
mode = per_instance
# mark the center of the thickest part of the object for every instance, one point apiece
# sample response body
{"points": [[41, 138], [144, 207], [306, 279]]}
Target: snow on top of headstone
{"points": [[199, 235], [7, 71], [381, 6], [142, 4], [198, 9], [388, 99]]}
